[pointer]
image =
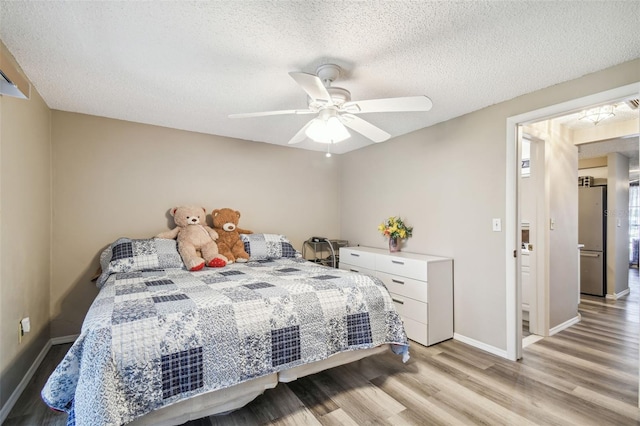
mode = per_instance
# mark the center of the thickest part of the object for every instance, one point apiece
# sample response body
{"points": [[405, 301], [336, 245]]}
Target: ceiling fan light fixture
{"points": [[596, 115], [329, 130], [337, 130]]}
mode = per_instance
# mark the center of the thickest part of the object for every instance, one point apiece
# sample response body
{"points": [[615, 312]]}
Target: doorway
{"points": [[513, 227]]}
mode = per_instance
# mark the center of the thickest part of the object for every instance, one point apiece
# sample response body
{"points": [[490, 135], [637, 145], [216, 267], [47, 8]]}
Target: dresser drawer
{"points": [[406, 287], [394, 265], [358, 269], [410, 308], [416, 331], [358, 258]]}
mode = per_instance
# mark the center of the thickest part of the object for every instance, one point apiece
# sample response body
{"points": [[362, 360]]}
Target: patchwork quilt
{"points": [[155, 336]]}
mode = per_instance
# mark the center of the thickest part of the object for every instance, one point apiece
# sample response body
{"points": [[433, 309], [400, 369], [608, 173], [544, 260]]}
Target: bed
{"points": [[162, 345]]}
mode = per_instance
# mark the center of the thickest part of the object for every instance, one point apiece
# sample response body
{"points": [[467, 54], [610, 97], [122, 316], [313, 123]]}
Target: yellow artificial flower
{"points": [[394, 227]]}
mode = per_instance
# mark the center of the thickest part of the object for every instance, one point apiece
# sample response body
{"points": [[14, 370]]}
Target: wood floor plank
{"points": [[277, 405], [362, 400], [512, 392], [337, 418], [312, 396], [241, 417], [420, 409], [608, 402], [586, 369]]}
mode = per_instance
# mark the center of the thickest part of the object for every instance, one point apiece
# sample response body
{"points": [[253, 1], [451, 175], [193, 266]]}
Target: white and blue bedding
{"points": [[155, 336]]}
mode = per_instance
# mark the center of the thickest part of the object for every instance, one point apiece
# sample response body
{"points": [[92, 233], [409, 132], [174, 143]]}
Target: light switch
{"points": [[26, 324], [552, 224], [497, 224]]}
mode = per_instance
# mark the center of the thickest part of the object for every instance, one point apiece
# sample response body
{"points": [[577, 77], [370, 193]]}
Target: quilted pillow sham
{"points": [[267, 246], [128, 255]]}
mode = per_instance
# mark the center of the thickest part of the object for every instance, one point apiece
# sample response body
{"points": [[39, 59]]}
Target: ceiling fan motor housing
{"points": [[328, 73], [339, 97]]}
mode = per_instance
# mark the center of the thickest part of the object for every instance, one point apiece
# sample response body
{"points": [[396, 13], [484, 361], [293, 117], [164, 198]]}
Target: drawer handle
{"points": [[397, 262], [354, 270], [397, 281], [354, 254], [398, 301]]}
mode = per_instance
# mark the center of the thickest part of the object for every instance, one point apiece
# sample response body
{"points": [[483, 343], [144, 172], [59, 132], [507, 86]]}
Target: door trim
{"points": [[512, 225], [539, 234]]}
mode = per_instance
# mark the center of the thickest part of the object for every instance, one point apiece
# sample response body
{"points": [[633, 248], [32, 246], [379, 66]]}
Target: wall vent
{"points": [[12, 82], [633, 103]]}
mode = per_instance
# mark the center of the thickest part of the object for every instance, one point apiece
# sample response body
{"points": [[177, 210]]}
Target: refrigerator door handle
{"points": [[589, 254]]}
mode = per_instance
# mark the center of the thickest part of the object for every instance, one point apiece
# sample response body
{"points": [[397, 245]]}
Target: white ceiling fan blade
{"points": [[267, 113], [312, 85], [404, 104], [365, 128], [301, 135]]}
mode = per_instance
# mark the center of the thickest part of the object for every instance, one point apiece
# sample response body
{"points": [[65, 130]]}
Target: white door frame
{"points": [[538, 233], [512, 221]]}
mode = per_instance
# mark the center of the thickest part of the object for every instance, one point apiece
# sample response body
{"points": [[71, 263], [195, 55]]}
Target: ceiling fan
{"points": [[335, 110]]}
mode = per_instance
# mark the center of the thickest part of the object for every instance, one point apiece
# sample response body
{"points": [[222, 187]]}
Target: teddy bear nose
{"points": [[194, 219]]}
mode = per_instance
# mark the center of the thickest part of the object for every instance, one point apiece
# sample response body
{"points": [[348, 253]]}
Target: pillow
{"points": [[127, 255], [267, 246]]}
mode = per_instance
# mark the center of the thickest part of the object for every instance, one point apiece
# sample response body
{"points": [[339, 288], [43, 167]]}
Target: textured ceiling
{"points": [[187, 65]]}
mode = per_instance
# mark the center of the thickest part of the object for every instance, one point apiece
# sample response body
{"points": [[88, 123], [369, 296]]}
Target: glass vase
{"points": [[394, 245]]}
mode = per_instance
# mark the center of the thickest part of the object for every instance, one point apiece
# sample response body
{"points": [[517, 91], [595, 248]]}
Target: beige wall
{"points": [[562, 174], [561, 289], [448, 181], [115, 178], [561, 265], [594, 172], [25, 231]]}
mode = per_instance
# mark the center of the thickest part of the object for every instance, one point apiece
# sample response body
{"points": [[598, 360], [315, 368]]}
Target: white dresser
{"points": [[421, 287]]}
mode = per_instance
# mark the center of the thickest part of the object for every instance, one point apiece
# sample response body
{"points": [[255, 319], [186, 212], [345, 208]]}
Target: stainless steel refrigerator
{"points": [[592, 232]]}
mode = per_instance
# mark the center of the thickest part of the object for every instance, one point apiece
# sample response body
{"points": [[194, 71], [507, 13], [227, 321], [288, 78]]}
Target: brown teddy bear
{"points": [[196, 240], [225, 223]]}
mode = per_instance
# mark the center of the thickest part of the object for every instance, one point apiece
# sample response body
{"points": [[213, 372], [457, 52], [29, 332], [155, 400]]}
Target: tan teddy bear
{"points": [[196, 240], [225, 223]]}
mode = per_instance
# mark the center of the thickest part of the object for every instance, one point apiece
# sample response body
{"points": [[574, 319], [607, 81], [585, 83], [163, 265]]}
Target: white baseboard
{"points": [[8, 406], [64, 339], [617, 296], [477, 344], [6, 409], [565, 325]]}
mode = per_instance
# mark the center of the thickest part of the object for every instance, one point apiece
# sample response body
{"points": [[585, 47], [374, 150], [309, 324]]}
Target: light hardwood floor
{"points": [[585, 375]]}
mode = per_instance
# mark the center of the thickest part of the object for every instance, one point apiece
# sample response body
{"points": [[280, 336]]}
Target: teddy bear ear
{"points": [[173, 211], [215, 212], [238, 213]]}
